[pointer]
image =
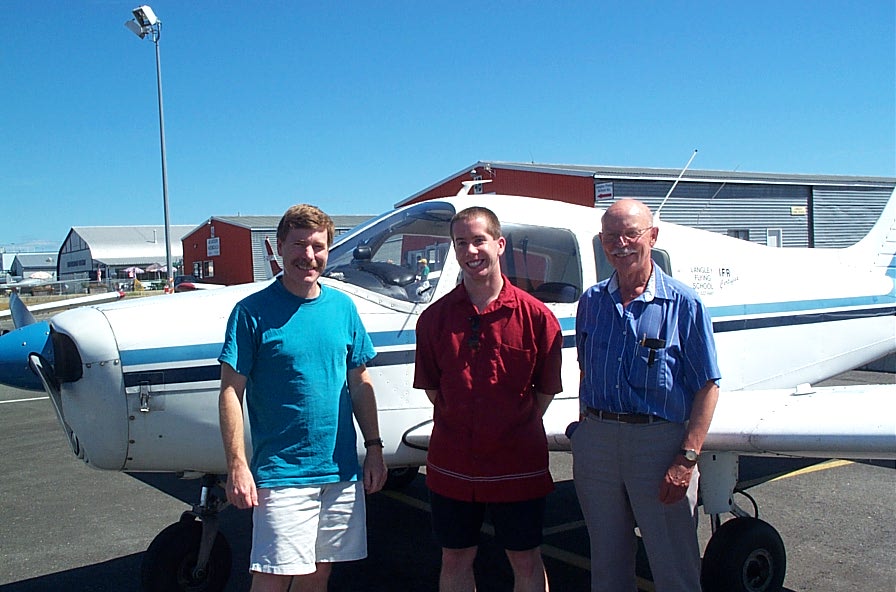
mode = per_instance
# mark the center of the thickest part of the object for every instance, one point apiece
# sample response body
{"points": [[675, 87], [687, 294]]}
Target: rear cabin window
{"points": [[605, 270]]}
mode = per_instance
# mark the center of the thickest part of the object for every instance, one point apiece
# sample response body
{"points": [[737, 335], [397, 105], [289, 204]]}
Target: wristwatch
{"points": [[689, 454], [373, 442]]}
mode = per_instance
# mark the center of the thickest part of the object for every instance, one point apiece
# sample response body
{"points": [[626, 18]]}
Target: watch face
{"points": [[691, 455]]}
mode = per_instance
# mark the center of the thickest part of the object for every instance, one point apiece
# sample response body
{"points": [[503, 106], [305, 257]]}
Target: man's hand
{"points": [[374, 469], [676, 481], [240, 488]]}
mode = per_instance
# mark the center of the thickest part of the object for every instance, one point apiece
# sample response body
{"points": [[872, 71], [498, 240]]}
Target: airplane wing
{"points": [[848, 422], [23, 315]]}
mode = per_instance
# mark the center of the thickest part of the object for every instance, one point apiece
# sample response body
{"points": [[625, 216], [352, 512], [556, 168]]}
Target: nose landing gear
{"points": [[189, 555]]}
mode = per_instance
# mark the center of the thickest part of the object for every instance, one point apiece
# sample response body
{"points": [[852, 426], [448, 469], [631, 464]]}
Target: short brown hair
{"points": [[492, 225], [306, 216]]}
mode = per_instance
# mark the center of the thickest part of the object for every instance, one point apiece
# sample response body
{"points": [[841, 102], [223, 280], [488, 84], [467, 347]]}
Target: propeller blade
{"points": [[21, 316]]}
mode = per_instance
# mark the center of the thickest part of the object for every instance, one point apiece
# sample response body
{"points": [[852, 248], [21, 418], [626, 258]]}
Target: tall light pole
{"points": [[146, 23]]}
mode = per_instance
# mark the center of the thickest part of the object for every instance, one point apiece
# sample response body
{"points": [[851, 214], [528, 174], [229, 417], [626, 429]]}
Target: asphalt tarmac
{"points": [[65, 526]]}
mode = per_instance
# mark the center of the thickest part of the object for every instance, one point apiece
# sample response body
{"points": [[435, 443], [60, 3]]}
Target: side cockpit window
{"points": [[400, 256], [543, 261]]}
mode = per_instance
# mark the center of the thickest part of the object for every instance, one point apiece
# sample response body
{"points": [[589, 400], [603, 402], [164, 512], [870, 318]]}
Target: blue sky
{"points": [[354, 106]]}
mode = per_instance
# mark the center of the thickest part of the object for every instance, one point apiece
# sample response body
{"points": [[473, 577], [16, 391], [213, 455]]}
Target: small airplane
{"points": [[26, 284], [189, 283], [134, 398]]}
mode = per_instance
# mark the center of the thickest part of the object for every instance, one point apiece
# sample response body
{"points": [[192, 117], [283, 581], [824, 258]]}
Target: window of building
{"points": [[203, 269]]}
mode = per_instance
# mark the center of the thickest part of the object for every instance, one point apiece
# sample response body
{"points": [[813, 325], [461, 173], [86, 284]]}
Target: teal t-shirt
{"points": [[296, 353]]}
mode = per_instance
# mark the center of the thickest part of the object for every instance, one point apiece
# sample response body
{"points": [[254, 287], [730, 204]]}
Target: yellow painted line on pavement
{"points": [[560, 528], [831, 464], [407, 500], [573, 559]]}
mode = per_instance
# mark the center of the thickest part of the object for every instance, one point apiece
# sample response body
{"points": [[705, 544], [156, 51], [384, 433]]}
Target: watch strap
{"points": [[373, 442]]}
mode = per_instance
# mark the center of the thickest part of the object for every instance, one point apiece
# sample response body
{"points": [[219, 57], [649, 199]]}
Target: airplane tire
{"points": [[169, 561], [397, 479], [744, 555]]}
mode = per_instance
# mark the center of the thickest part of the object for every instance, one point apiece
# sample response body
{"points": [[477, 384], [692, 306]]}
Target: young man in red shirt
{"points": [[488, 357]]}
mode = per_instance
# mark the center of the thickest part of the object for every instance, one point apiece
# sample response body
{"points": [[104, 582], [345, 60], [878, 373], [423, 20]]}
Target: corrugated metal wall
{"points": [[260, 268], [843, 215], [806, 215], [720, 207]]}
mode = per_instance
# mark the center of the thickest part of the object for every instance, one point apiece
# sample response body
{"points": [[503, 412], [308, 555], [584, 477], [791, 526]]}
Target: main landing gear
{"points": [[744, 554], [190, 555]]}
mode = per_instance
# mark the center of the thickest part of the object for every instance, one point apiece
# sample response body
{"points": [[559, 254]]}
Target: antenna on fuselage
{"points": [[671, 189]]}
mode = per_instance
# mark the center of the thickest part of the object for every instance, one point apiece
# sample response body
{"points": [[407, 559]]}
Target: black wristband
{"points": [[373, 442]]}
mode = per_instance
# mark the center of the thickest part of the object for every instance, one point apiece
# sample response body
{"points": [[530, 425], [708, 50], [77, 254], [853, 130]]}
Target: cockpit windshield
{"points": [[400, 256]]}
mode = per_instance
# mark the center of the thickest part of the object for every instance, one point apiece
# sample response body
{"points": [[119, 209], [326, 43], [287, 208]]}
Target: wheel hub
{"points": [[758, 569]]}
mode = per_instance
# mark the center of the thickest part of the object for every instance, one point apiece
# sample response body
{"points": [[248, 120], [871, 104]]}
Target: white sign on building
{"points": [[213, 246], [602, 191]]}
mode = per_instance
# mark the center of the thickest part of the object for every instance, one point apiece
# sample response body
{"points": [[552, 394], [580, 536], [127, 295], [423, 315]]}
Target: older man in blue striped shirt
{"points": [[648, 392]]}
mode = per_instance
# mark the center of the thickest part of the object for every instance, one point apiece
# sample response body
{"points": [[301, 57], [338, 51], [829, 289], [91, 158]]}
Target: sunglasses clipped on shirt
{"points": [[473, 341]]}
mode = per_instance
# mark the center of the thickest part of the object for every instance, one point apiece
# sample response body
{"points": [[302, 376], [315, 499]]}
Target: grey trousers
{"points": [[618, 469]]}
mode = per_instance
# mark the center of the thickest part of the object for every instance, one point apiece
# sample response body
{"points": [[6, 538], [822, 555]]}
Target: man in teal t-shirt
{"points": [[297, 351]]}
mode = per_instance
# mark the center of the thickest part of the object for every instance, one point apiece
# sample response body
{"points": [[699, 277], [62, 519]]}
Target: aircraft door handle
{"points": [[144, 397]]}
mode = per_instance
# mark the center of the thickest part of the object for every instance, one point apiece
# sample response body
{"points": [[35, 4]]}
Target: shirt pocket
{"points": [[649, 371], [513, 368]]}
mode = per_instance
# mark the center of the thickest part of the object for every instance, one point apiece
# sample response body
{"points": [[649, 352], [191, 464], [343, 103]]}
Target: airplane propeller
{"points": [[21, 316]]}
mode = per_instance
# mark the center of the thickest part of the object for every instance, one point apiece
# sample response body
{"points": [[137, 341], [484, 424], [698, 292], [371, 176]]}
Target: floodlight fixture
{"points": [[136, 29], [145, 22], [145, 16]]}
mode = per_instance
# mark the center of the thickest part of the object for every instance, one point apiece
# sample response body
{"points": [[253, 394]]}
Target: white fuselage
{"points": [[147, 400]]}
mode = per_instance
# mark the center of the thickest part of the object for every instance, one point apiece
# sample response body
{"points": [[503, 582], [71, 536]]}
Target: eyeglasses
{"points": [[473, 341], [629, 236]]}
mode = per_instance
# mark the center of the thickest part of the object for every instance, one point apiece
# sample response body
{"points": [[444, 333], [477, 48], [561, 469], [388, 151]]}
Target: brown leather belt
{"points": [[623, 417]]}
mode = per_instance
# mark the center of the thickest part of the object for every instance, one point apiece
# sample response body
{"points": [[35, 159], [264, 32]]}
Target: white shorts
{"points": [[296, 527]]}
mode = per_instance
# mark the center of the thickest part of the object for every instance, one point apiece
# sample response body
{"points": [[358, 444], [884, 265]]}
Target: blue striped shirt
{"points": [[626, 372]]}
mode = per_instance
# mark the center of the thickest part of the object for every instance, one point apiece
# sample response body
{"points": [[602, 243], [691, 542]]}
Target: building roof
{"points": [[270, 223], [130, 245], [36, 260], [661, 174], [6, 261], [694, 174]]}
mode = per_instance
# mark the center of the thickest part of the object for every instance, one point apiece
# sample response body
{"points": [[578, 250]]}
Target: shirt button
{"points": [[619, 359]]}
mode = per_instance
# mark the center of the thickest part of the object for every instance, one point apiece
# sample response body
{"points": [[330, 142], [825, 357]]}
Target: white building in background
{"points": [[103, 252]]}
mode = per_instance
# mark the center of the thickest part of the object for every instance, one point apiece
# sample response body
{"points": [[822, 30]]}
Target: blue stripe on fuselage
{"points": [[167, 355], [744, 318]]}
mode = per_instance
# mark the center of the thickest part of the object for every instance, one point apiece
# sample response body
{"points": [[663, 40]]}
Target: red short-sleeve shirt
{"points": [[488, 442]]}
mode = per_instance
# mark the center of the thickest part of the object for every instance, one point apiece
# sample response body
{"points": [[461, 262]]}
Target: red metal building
{"points": [[231, 250]]}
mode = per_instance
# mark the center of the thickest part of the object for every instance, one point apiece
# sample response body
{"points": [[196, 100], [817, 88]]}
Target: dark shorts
{"points": [[456, 524]]}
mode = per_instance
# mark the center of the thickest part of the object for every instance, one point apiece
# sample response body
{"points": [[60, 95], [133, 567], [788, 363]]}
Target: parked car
{"points": [[179, 279]]}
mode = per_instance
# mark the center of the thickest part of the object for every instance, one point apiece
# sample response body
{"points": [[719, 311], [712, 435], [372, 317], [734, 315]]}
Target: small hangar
{"points": [[783, 210]]}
